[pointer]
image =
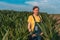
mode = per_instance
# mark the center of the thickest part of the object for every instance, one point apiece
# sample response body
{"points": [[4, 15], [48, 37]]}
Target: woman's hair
{"points": [[35, 7]]}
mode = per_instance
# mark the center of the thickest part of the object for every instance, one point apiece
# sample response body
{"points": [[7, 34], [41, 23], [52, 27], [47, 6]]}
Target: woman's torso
{"points": [[32, 21]]}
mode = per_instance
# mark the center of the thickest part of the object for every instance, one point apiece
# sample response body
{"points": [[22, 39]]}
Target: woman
{"points": [[32, 24]]}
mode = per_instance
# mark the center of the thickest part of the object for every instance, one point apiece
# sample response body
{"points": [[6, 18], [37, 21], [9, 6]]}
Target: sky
{"points": [[49, 6]]}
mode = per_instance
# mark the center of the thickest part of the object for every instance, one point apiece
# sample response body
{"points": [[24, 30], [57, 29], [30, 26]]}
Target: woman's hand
{"points": [[29, 30], [41, 33], [33, 35]]}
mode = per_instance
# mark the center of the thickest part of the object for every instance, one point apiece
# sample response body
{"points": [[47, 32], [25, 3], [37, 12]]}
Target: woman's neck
{"points": [[35, 14]]}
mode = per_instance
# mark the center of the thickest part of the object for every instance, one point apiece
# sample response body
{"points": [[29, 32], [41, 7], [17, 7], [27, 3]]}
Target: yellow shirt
{"points": [[32, 22]]}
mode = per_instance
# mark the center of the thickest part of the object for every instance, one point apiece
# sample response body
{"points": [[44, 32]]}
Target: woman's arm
{"points": [[29, 27]]}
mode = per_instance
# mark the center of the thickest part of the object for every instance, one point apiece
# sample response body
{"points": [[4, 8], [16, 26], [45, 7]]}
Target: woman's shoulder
{"points": [[30, 18]]}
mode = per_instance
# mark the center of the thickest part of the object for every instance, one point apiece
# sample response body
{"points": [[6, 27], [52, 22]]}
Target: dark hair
{"points": [[35, 7]]}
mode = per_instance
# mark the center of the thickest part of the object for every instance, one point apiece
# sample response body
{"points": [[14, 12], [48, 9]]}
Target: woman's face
{"points": [[36, 10]]}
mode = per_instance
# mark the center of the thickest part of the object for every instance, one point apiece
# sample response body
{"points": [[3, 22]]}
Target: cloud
{"points": [[41, 3], [33, 3], [37, 2], [44, 1]]}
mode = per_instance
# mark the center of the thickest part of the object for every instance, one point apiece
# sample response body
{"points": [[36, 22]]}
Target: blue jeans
{"points": [[37, 31], [36, 38]]}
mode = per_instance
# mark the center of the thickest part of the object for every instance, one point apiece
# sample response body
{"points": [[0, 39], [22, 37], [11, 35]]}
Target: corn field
{"points": [[13, 26]]}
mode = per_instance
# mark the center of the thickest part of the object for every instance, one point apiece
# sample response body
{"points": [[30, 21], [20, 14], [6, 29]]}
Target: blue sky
{"points": [[49, 6]]}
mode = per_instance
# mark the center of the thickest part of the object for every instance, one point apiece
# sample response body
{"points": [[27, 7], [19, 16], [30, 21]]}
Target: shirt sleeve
{"points": [[29, 19]]}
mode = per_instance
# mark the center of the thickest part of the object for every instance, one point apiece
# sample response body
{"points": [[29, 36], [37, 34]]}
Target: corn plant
{"points": [[48, 28], [13, 26]]}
